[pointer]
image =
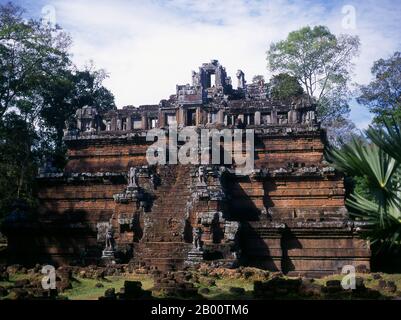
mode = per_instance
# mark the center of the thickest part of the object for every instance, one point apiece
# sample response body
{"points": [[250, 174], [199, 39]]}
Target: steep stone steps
{"points": [[162, 244]]}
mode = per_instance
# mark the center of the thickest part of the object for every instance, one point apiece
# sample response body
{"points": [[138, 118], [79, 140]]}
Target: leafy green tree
{"points": [[89, 89], [258, 79], [30, 53], [40, 89], [284, 87], [342, 130], [18, 161], [322, 63], [63, 95], [377, 164], [383, 95]]}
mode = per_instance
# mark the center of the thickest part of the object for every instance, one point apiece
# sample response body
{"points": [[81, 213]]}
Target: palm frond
{"points": [[381, 213], [383, 226], [388, 138], [361, 159]]}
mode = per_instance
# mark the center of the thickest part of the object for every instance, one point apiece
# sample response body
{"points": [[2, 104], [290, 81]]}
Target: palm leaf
{"points": [[357, 158], [382, 213], [382, 226], [388, 138]]}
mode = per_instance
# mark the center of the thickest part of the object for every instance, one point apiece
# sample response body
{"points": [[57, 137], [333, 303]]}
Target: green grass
{"points": [[14, 277], [370, 282], [19, 276], [5, 284], [85, 289], [222, 289], [225, 284]]}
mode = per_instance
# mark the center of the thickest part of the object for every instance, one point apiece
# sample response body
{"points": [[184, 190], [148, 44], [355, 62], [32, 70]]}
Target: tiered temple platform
{"points": [[287, 215]]}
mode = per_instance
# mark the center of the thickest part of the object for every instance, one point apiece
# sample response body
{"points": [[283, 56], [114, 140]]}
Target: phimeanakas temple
{"points": [[109, 204]]}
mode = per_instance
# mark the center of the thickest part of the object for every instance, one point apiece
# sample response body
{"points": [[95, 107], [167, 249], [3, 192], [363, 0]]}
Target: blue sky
{"points": [[147, 47]]}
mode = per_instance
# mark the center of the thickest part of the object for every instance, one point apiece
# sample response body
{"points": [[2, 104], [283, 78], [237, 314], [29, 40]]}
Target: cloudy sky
{"points": [[147, 47]]}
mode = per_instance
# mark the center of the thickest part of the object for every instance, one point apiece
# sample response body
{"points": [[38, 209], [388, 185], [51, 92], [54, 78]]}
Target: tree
{"points": [[30, 53], [258, 79], [322, 63], [89, 89], [18, 161], [64, 94], [383, 95], [40, 89], [341, 130], [284, 87], [377, 164]]}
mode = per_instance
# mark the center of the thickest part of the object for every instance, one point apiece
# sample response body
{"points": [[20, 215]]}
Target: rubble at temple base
{"points": [[123, 282]]}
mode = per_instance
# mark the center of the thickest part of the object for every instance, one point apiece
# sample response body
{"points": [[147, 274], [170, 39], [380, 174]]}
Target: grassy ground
{"points": [[370, 282], [85, 289], [222, 289], [15, 277], [18, 276]]}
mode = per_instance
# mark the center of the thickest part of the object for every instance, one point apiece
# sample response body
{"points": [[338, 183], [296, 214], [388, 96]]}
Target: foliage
{"points": [[378, 164], [322, 63], [17, 160], [64, 94], [258, 79], [341, 130], [284, 87], [30, 53], [361, 186], [387, 138], [40, 89], [383, 95]]}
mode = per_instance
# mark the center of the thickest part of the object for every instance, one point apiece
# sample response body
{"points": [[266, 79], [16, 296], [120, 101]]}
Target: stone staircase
{"points": [[162, 245]]}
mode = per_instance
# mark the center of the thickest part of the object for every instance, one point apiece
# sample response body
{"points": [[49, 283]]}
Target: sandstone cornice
{"points": [[310, 171], [324, 228], [81, 178]]}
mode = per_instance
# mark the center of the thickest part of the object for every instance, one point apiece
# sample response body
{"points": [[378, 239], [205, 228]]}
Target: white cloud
{"points": [[149, 47]]}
